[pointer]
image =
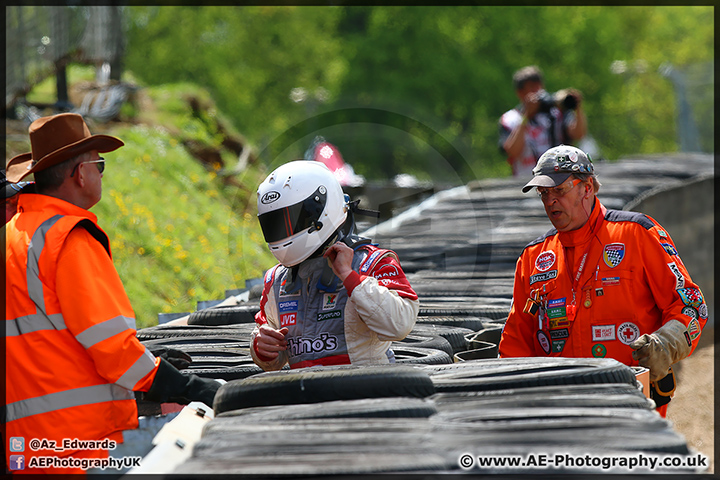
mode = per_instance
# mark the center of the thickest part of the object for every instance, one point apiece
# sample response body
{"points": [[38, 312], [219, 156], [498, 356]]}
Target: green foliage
{"points": [[448, 68], [46, 91], [250, 58], [175, 235]]}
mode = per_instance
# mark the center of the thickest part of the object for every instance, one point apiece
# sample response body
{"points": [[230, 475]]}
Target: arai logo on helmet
{"points": [[270, 197]]}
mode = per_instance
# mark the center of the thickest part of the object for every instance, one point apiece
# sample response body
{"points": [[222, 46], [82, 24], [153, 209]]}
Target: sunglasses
{"points": [[99, 163], [557, 192]]}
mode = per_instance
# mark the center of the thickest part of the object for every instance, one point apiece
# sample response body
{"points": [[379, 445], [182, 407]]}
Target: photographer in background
{"points": [[542, 121]]}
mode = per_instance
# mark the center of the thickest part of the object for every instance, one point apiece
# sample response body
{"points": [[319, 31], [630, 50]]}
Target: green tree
{"points": [[250, 58], [393, 86]]}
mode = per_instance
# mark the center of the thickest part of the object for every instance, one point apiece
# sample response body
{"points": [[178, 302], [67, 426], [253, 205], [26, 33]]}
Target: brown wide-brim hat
{"points": [[9, 188], [55, 139]]}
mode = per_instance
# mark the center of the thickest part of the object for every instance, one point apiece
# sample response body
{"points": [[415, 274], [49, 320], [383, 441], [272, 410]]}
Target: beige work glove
{"points": [[658, 350]]}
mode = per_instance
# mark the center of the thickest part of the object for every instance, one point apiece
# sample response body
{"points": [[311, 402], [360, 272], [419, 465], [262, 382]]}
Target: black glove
{"points": [[177, 358], [172, 386]]}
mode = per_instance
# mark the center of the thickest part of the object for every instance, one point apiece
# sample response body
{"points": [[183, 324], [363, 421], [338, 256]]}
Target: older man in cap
{"points": [[602, 283], [72, 356]]}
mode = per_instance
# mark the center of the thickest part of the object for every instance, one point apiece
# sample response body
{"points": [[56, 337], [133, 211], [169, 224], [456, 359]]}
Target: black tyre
{"points": [[219, 361], [426, 341], [454, 335], [405, 407], [520, 396], [228, 315], [469, 322], [459, 307], [237, 372], [550, 418], [316, 446], [202, 352], [539, 401], [419, 356], [323, 384], [493, 374], [202, 341], [489, 334], [171, 331], [481, 350]]}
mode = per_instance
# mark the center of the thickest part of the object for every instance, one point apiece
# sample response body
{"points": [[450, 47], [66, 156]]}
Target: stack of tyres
{"points": [[462, 403]]}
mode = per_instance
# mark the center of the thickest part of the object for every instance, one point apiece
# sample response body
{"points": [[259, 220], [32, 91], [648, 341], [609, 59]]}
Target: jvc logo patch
{"points": [[287, 319]]}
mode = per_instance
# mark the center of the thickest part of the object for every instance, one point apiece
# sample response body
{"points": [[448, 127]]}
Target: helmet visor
{"points": [[286, 222]]}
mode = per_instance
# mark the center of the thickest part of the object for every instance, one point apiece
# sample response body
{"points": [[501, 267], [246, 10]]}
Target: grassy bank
{"points": [[180, 233]]}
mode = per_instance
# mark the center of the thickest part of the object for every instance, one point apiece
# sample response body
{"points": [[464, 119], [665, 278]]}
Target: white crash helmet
{"points": [[300, 205]]}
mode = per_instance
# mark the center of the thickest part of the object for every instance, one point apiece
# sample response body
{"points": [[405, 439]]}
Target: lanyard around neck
{"points": [[594, 228]]}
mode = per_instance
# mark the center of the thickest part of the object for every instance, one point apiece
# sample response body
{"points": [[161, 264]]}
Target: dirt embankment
{"points": [[692, 409]]}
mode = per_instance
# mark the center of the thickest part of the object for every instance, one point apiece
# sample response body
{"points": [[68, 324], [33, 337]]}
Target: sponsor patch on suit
{"points": [[680, 278], [602, 333], [599, 350], [329, 315], [329, 301], [693, 329], [541, 277], [288, 319], [613, 254], [692, 297], [559, 333], [543, 341], [669, 248], [288, 306], [545, 260], [627, 332]]}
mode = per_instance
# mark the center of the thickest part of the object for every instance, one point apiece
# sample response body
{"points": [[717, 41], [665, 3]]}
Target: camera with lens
{"points": [[563, 99]]}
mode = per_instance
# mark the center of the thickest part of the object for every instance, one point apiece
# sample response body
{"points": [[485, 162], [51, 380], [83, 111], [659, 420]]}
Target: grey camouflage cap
{"points": [[557, 164]]}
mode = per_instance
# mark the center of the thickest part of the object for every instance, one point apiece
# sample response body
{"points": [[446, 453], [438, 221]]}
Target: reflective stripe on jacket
{"points": [[632, 283], [72, 355]]}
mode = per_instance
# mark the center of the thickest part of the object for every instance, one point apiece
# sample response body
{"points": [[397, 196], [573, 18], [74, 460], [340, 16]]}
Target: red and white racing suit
{"points": [[351, 322]]}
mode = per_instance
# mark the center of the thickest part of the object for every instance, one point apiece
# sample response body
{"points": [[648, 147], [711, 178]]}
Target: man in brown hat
{"points": [[72, 355], [11, 190]]}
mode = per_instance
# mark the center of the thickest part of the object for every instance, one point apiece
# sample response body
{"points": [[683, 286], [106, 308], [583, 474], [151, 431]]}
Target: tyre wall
{"points": [[687, 211]]}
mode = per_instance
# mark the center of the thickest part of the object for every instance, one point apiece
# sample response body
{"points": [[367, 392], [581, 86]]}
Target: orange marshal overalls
{"points": [[632, 282], [72, 355]]}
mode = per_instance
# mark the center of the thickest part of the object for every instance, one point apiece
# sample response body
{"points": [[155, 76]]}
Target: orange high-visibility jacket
{"points": [[72, 355], [632, 283]]}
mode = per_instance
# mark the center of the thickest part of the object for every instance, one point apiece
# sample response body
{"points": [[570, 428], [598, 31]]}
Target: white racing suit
{"points": [[341, 323]]}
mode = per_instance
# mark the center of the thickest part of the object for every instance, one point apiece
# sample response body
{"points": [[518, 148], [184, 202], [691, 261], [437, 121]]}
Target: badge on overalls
{"points": [[544, 341], [558, 322]]}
